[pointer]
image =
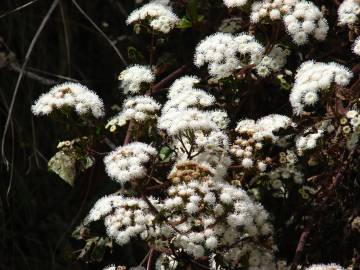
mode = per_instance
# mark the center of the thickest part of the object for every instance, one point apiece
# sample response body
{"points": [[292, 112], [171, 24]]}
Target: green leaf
{"points": [[184, 23], [64, 165], [200, 18], [86, 163], [165, 153], [67, 164]]}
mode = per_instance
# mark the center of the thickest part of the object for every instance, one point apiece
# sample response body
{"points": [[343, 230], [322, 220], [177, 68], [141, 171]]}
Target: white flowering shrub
{"points": [[234, 159]]}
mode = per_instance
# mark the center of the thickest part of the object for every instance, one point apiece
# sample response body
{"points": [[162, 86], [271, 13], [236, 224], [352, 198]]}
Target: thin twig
{"points": [[129, 132], [101, 32], [157, 187], [148, 265], [18, 8], [66, 37], [158, 87], [27, 57], [300, 246], [32, 75], [155, 211], [145, 258]]}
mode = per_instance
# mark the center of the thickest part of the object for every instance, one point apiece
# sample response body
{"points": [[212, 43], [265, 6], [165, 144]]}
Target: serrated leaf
{"points": [[64, 165]]}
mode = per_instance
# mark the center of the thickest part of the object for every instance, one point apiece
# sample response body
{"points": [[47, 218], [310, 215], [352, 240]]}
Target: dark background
{"points": [[38, 210]]}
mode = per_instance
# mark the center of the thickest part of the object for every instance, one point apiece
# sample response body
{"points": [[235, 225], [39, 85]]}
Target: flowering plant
{"points": [[211, 175]]}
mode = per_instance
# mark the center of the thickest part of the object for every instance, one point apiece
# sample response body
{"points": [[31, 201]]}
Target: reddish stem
{"points": [[300, 246], [151, 254]]}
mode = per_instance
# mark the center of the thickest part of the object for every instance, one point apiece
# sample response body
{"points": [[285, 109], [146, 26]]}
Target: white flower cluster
{"points": [[124, 218], [266, 127], [220, 51], [356, 46], [134, 77], [218, 215], [113, 267], [212, 150], [220, 118], [165, 262], [272, 62], [285, 173], [182, 111], [301, 18], [349, 12], [127, 162], [202, 216], [245, 150], [309, 141], [160, 17], [331, 266], [350, 127], [253, 135], [183, 95], [208, 150], [306, 19], [110, 267], [70, 95], [353, 117], [196, 133], [272, 9], [177, 122], [138, 108], [313, 77], [256, 257], [235, 3]]}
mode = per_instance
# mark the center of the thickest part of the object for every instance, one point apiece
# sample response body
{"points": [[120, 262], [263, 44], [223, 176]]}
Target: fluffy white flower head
{"points": [[183, 95], [356, 46], [272, 9], [304, 20], [110, 267], [175, 122], [264, 127], [138, 108], [301, 18], [349, 12], [314, 77], [235, 3], [124, 217], [69, 94], [127, 162], [274, 61], [133, 77], [160, 16], [220, 52]]}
